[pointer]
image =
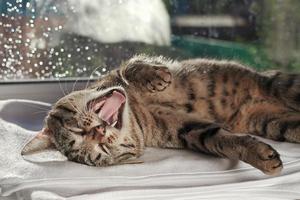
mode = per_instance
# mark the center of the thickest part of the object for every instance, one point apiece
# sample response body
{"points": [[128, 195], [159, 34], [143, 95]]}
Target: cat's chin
{"points": [[109, 107]]}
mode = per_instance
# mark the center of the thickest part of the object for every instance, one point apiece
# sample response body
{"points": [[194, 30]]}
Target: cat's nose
{"points": [[101, 129], [97, 133]]}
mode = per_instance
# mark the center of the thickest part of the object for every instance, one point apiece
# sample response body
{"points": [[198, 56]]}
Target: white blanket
{"points": [[165, 173]]}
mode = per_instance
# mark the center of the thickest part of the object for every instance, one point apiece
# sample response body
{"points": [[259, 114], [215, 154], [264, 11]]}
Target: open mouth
{"points": [[109, 107]]}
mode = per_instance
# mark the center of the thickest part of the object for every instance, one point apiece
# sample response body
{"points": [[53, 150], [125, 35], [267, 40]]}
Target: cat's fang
{"points": [[114, 124]]}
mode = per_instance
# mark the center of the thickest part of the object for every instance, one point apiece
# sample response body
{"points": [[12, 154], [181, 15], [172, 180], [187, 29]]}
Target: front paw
{"points": [[158, 79], [265, 158]]}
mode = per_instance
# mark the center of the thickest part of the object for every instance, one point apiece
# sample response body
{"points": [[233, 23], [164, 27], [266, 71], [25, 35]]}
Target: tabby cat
{"points": [[204, 105]]}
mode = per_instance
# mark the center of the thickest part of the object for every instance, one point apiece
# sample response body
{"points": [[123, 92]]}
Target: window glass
{"points": [[57, 39]]}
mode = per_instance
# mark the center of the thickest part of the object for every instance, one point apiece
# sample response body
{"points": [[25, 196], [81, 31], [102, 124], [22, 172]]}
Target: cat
{"points": [[208, 106]]}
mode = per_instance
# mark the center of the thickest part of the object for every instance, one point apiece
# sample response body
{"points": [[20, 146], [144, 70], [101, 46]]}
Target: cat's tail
{"points": [[283, 86]]}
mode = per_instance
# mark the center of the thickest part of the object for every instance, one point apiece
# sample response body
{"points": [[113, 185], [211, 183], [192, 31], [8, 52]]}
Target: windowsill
{"points": [[41, 90], [61, 80]]}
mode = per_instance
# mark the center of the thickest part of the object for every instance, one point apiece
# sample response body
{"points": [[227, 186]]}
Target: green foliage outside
{"points": [[277, 28]]}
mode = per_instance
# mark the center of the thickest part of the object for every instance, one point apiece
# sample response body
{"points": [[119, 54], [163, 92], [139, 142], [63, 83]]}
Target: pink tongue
{"points": [[111, 107]]}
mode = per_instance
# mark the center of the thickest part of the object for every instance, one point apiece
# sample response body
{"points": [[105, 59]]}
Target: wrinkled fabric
{"points": [[165, 173]]}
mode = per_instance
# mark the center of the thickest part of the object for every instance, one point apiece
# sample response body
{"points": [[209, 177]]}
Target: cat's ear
{"points": [[42, 141]]}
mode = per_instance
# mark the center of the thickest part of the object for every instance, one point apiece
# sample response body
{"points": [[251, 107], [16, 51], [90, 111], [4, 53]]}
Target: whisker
{"points": [[90, 77], [92, 103], [35, 106], [39, 112], [74, 84], [61, 88], [85, 108], [66, 87], [76, 109]]}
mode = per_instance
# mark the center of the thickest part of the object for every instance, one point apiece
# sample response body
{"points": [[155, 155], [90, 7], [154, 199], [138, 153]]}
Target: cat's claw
{"points": [[159, 79]]}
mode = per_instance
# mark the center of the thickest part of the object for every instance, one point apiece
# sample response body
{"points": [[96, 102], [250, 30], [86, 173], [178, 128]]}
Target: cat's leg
{"points": [[147, 77], [170, 128], [267, 118], [283, 126], [278, 116], [282, 86], [212, 139]]}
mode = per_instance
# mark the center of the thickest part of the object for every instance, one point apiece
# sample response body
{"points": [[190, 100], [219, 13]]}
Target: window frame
{"points": [[41, 90]]}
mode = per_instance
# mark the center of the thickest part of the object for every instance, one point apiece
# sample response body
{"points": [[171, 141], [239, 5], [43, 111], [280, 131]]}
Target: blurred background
{"points": [[73, 39]]}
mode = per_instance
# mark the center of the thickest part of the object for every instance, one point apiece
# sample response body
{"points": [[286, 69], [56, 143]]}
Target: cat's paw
{"points": [[265, 158], [158, 79]]}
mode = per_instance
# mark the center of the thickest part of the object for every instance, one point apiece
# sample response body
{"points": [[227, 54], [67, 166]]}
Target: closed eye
{"points": [[65, 109], [74, 129], [125, 156]]}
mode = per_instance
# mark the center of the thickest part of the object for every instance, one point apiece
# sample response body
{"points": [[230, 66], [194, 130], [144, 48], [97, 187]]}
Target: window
{"points": [[68, 39]]}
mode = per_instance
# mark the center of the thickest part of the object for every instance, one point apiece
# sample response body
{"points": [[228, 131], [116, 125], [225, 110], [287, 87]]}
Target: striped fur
{"points": [[203, 105]]}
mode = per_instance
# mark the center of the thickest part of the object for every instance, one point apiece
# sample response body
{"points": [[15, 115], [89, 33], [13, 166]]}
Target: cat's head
{"points": [[92, 126]]}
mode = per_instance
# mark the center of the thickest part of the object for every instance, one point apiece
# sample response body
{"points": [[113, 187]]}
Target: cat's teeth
{"points": [[113, 125]]}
